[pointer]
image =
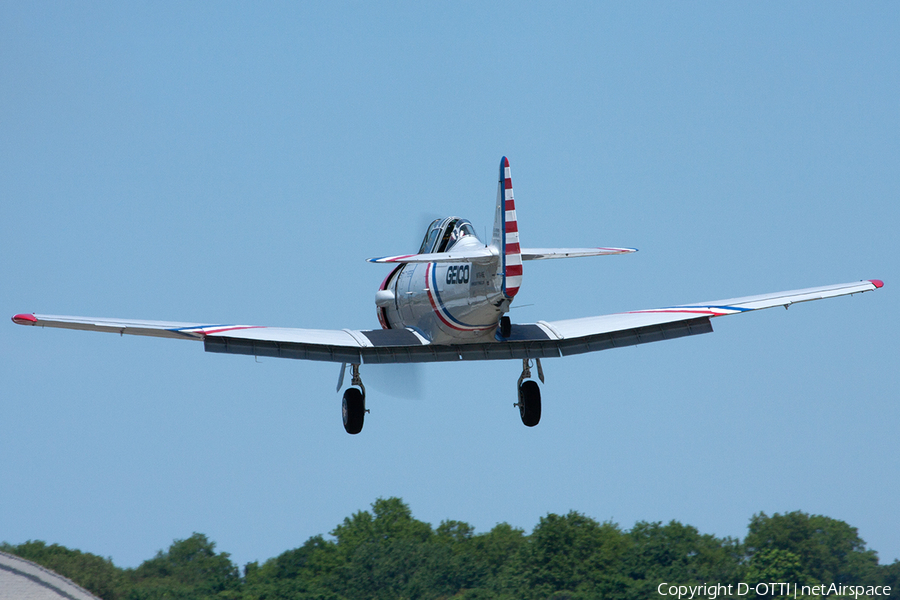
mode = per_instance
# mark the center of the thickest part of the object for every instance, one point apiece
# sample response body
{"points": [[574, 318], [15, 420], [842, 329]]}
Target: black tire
{"points": [[353, 409], [530, 403], [505, 327]]}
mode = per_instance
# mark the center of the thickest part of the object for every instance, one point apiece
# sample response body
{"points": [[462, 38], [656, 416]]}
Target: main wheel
{"points": [[505, 327], [530, 403], [353, 409]]}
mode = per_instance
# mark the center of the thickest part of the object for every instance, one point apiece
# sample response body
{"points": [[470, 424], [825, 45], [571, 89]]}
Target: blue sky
{"points": [[231, 163]]}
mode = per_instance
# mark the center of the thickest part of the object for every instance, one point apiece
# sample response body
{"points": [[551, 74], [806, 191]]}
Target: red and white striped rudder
{"points": [[506, 233]]}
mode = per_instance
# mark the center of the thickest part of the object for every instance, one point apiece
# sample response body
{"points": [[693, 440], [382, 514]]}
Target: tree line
{"points": [[386, 554]]}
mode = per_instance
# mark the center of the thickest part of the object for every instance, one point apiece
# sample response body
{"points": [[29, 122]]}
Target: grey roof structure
{"points": [[21, 579]]}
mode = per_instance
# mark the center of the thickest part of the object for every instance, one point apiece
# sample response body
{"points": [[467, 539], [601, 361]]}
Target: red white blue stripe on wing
{"points": [[712, 311], [212, 329], [170, 329], [511, 251], [453, 256], [391, 259], [546, 253]]}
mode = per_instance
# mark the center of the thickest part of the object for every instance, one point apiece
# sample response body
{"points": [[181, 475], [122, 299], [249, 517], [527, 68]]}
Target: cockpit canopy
{"points": [[443, 234]]}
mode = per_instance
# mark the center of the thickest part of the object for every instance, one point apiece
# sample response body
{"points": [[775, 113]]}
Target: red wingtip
{"points": [[24, 319], [877, 283]]}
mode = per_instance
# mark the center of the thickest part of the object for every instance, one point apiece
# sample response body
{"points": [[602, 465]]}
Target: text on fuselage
{"points": [[458, 274]]}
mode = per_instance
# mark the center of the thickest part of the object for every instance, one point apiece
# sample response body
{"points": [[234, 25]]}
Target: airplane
{"points": [[448, 302]]}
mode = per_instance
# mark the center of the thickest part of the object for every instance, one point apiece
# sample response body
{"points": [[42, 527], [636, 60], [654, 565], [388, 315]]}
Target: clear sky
{"points": [[236, 163]]}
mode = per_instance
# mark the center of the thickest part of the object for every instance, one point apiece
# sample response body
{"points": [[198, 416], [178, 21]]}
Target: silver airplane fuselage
{"points": [[444, 302]]}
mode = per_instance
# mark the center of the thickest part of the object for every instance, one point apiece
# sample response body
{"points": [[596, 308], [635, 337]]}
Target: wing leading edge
{"points": [[486, 254], [537, 340]]}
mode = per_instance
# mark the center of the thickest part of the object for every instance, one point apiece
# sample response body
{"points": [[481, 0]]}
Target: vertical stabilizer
{"points": [[506, 233]]}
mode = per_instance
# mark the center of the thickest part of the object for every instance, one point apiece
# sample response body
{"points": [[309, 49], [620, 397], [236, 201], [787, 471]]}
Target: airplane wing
{"points": [[470, 255], [544, 253], [590, 334], [536, 340], [486, 254]]}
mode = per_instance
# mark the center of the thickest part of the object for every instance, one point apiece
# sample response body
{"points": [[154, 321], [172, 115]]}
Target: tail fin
{"points": [[506, 233]]}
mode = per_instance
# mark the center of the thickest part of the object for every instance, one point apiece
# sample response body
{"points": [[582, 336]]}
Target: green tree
{"points": [[307, 572], [890, 575], [829, 550], [477, 560], [385, 552], [678, 554], [775, 564], [94, 573], [390, 519], [191, 568], [569, 556], [496, 548]]}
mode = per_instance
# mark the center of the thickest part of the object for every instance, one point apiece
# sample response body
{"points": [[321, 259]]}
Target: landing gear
{"points": [[505, 327], [530, 403], [354, 410], [530, 394], [353, 407]]}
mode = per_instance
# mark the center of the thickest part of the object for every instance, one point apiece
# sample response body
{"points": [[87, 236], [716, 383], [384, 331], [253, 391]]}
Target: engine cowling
{"points": [[385, 298]]}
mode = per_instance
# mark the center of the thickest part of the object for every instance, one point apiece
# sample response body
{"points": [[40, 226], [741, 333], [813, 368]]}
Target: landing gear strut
{"points": [[530, 394], [353, 407]]}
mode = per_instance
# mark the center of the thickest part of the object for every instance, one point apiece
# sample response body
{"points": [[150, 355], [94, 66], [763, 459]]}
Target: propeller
{"points": [[403, 380]]}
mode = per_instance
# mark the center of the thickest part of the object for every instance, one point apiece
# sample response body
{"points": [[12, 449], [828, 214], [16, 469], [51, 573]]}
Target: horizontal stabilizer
{"points": [[469, 255], [545, 253]]}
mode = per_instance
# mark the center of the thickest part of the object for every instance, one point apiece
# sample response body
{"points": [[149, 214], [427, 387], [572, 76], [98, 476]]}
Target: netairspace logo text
{"points": [[788, 590]]}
